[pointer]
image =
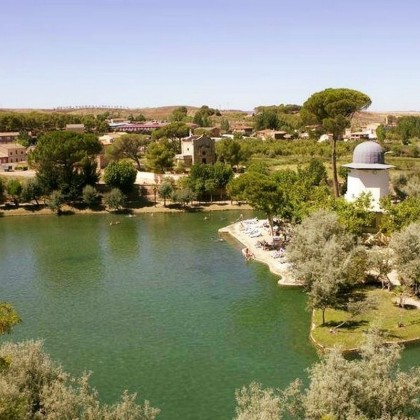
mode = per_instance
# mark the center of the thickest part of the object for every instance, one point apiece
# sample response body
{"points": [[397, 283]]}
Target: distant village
{"points": [[195, 148]]}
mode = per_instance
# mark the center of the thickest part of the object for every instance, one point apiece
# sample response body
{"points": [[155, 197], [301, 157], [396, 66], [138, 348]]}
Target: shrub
{"points": [[90, 196], [115, 199]]}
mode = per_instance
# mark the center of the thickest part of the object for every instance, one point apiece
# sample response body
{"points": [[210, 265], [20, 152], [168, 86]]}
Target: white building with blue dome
{"points": [[368, 173]]}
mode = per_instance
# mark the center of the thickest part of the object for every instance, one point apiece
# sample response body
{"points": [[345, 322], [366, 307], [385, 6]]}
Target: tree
{"points": [[128, 146], [61, 158], [230, 151], [210, 187], [2, 189], [369, 387], [357, 215], [224, 124], [333, 110], [406, 247], [120, 175], [8, 318], [55, 201], [160, 156], [24, 139], [33, 386], [90, 195], [165, 191], [115, 199], [397, 216], [179, 114], [14, 189], [267, 119], [261, 192], [255, 403], [380, 262], [326, 259], [32, 190], [202, 116]]}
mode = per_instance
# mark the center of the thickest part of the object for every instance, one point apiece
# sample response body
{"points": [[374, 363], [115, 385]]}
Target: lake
{"points": [[155, 305]]}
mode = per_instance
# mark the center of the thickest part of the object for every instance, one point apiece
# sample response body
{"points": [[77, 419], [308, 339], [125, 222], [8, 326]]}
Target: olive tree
{"points": [[33, 386], [14, 190], [406, 247], [327, 260], [165, 191], [369, 387]]}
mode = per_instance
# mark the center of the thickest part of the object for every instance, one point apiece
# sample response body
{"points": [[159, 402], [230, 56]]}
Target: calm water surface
{"points": [[157, 306]]}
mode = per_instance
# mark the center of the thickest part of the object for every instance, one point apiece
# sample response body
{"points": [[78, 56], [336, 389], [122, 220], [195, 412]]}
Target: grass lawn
{"points": [[386, 316]]}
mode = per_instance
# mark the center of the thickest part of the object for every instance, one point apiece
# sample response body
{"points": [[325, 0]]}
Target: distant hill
{"points": [[163, 112]]}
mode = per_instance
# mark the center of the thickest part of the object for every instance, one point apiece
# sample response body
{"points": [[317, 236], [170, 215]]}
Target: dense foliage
{"points": [[204, 180], [65, 161], [282, 117], [120, 175], [128, 146], [369, 387], [32, 386], [41, 122], [326, 258], [406, 247], [160, 156]]}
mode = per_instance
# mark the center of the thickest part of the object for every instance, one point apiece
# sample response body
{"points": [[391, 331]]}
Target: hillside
{"points": [[162, 113]]}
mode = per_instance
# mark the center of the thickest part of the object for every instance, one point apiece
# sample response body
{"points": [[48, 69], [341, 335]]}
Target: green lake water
{"points": [[155, 305]]}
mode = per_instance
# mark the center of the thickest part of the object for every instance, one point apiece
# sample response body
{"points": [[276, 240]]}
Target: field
{"points": [[397, 324]]}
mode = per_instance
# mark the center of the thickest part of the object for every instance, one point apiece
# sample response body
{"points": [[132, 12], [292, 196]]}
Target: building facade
{"points": [[9, 137], [12, 153], [197, 149]]}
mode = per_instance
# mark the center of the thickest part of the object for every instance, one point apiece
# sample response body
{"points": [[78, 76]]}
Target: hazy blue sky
{"points": [[222, 53]]}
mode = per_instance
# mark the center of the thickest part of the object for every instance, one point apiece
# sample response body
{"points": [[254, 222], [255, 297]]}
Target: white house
{"points": [[368, 173]]}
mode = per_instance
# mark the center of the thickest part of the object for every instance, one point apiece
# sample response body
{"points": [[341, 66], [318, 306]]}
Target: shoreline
{"points": [[277, 266], [69, 210]]}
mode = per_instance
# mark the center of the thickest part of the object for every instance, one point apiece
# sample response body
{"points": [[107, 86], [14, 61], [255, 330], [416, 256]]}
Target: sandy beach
{"points": [[249, 233]]}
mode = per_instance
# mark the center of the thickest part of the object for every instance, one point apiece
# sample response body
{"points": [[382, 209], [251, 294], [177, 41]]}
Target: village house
{"points": [[12, 153], [210, 131], [9, 137], [197, 149], [75, 128], [272, 134], [244, 130], [142, 128]]}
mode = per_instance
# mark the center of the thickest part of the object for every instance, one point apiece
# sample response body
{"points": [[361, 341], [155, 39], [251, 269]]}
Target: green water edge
{"points": [[156, 305]]}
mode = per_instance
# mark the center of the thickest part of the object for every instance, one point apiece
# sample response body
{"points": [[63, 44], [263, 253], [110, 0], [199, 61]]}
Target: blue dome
{"points": [[368, 152]]}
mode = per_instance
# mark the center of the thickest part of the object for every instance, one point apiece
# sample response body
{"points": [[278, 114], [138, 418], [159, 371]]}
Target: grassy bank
{"points": [[387, 316]]}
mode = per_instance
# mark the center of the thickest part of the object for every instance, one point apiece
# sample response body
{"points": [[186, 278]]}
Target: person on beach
{"points": [[248, 254]]}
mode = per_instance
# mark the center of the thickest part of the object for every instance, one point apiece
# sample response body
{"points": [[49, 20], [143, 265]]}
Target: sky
{"points": [[227, 54]]}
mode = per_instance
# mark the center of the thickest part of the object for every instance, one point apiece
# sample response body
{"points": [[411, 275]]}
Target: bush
{"points": [[121, 175], [115, 199], [90, 196], [55, 201]]}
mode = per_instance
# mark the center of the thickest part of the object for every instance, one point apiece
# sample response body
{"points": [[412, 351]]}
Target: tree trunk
{"points": [[323, 316], [270, 222], [334, 168]]}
